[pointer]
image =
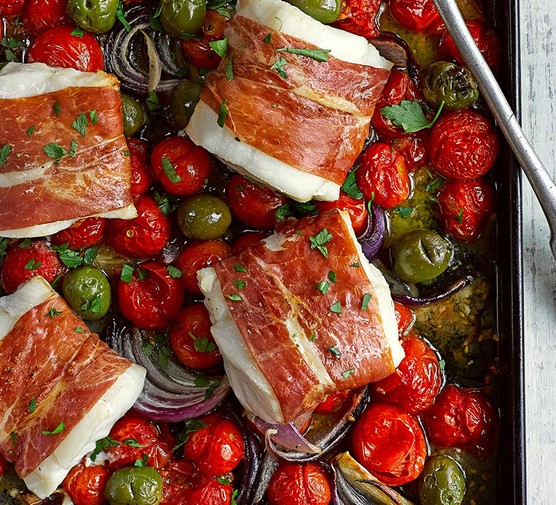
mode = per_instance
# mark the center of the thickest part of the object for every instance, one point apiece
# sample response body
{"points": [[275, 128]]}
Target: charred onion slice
{"points": [[446, 292], [372, 238]]}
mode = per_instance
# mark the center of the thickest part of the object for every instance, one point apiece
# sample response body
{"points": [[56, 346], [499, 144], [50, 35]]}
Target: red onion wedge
{"points": [[446, 292], [372, 238]]}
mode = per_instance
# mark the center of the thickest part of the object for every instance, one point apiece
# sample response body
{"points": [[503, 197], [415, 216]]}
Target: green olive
{"points": [[182, 16], [87, 291], [449, 83], [184, 98], [133, 115], [421, 255], [98, 16], [325, 11], [204, 217], [134, 486], [442, 482]]}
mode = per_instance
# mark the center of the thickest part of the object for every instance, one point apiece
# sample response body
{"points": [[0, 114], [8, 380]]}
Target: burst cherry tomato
{"points": [[390, 444], [465, 206], [333, 403], [359, 17], [57, 47], [197, 255], [398, 87], [463, 145], [191, 339], [253, 203], [414, 149], [417, 380], [180, 166], [404, 317], [141, 237], [25, 259], [10, 8], [463, 418], [415, 15], [152, 299], [217, 448], [356, 208], [383, 176], [299, 484], [141, 171], [197, 50], [245, 239], [42, 14], [84, 233], [85, 484]]}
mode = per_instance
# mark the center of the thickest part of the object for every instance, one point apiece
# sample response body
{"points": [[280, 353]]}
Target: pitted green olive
{"points": [[204, 217], [97, 16], [87, 291], [134, 486], [182, 16], [133, 115], [442, 482]]}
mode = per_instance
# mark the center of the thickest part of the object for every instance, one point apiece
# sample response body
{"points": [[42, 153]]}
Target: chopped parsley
{"points": [[220, 47], [78, 329], [73, 149], [459, 217], [202, 344], [121, 15], [313, 337], [240, 268], [332, 276], [93, 116], [403, 211], [347, 373], [355, 265], [33, 405], [318, 241], [80, 124], [155, 22], [268, 38], [234, 496], [89, 255], [350, 187], [166, 203], [61, 427], [53, 312], [315, 54], [323, 287], [234, 297], [278, 65], [334, 350], [365, 302], [336, 308], [170, 170], [93, 305], [102, 445], [239, 284], [57, 109], [77, 32], [32, 264], [67, 256], [54, 151], [25, 243], [409, 115], [31, 130], [189, 426], [222, 113], [174, 272], [4, 153], [142, 461], [153, 103], [230, 69], [14, 437]]}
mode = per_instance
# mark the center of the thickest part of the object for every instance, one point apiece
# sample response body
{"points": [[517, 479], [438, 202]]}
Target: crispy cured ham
{"points": [[63, 152], [299, 316], [288, 118], [61, 387]]}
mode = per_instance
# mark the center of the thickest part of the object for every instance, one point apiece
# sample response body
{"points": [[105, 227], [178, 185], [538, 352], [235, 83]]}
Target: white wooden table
{"points": [[538, 81]]}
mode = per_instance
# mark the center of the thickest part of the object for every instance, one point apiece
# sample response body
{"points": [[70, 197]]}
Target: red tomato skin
{"points": [[465, 419], [252, 203], [197, 50], [14, 273], [390, 444], [485, 38], [57, 47], [153, 302], [217, 448], [197, 255], [193, 320], [463, 145], [356, 209], [42, 14], [415, 15], [299, 484], [414, 149], [405, 318], [415, 383], [383, 176], [85, 484], [157, 443], [399, 86], [245, 239], [141, 171], [359, 17], [141, 237], [333, 403], [9, 8], [191, 164], [465, 206], [84, 233], [3, 465]]}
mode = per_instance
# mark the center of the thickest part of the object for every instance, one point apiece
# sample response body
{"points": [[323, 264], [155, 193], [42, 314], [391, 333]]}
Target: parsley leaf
{"points": [[336, 308], [222, 113], [459, 217], [73, 149], [32, 264], [234, 297], [127, 273], [331, 276], [202, 344], [80, 124], [189, 426], [102, 445], [403, 211], [315, 54], [278, 65], [174, 272], [409, 115], [33, 405], [323, 287], [350, 187], [230, 69], [89, 255], [347, 373], [57, 109], [94, 117], [31, 130], [239, 284], [220, 47], [240, 268], [121, 15], [153, 103], [155, 22], [4, 152], [170, 170], [141, 462], [318, 241], [234, 496], [268, 38], [53, 312], [365, 302], [68, 257], [61, 427], [77, 32], [54, 151], [334, 350]]}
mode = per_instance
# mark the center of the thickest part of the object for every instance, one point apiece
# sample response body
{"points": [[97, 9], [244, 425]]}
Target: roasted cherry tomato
{"points": [[245, 239], [191, 339], [333, 403], [197, 50], [414, 149], [85, 484], [141, 171], [465, 206], [390, 444], [153, 297], [81, 234], [359, 17], [383, 176], [417, 380], [144, 236], [415, 15], [405, 318], [42, 14], [58, 47], [463, 145], [25, 259], [299, 484], [356, 209], [180, 166], [217, 448], [10, 8], [485, 38], [197, 255], [463, 418], [398, 87], [136, 437], [3, 465], [253, 203]]}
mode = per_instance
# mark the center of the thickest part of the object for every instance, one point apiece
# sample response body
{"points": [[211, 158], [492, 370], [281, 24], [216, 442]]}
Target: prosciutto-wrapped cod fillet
{"points": [[299, 316]]}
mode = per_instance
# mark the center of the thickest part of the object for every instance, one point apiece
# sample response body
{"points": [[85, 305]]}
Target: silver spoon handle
{"points": [[536, 173]]}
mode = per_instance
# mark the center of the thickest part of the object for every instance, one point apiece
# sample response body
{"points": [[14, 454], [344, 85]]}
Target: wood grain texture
{"points": [[538, 80]]}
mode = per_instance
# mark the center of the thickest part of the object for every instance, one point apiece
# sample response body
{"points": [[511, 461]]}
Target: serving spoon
{"points": [[536, 173]]}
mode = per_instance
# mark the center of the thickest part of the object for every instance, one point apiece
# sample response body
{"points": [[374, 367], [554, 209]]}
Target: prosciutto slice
{"points": [[63, 152], [61, 387], [299, 316], [287, 118]]}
